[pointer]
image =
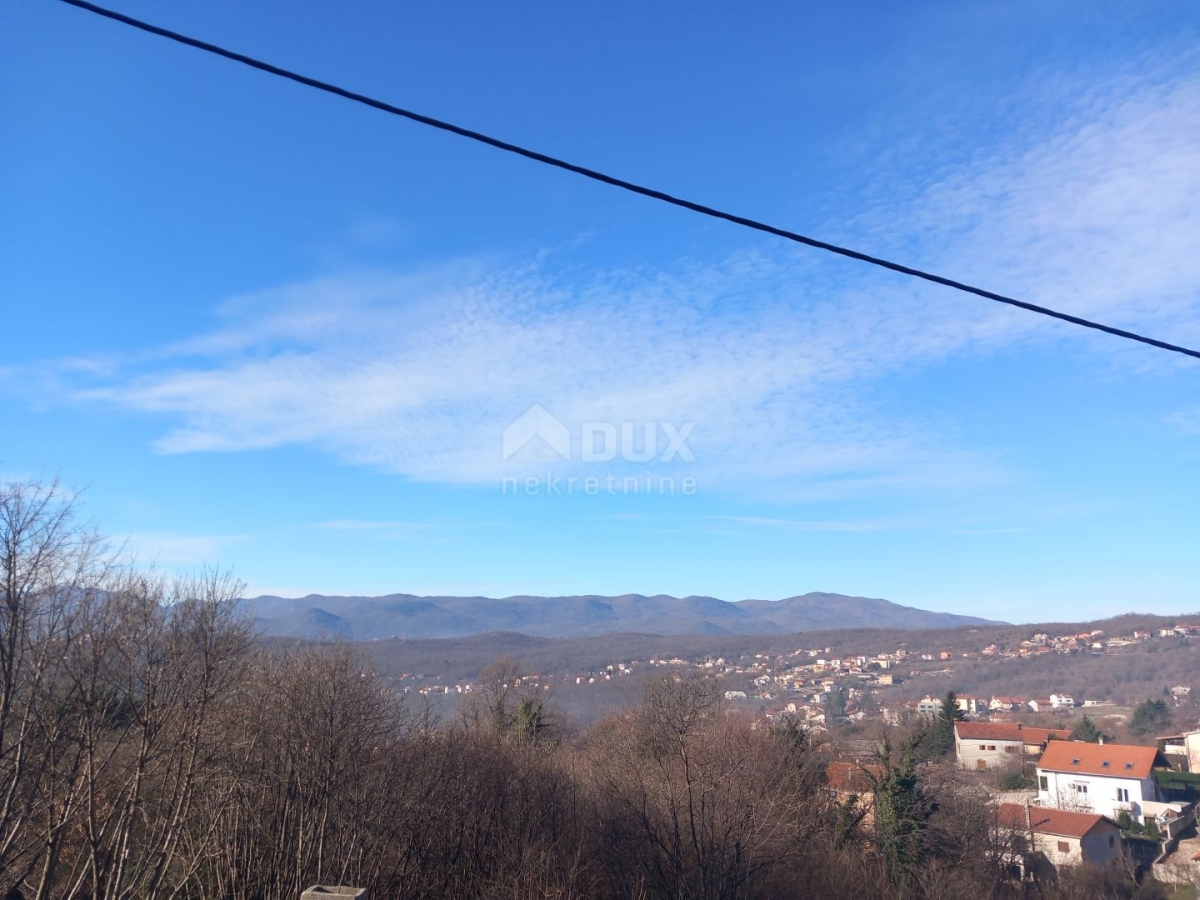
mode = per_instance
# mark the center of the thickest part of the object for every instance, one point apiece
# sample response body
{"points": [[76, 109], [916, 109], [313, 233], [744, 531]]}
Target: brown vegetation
{"points": [[150, 748]]}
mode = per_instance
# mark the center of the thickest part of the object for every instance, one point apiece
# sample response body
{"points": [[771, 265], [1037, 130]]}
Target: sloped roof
{"points": [[1113, 760], [1045, 820], [1008, 731], [851, 776]]}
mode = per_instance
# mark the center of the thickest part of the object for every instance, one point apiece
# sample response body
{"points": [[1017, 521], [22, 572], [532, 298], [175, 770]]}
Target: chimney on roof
{"points": [[1018, 726], [1101, 739]]}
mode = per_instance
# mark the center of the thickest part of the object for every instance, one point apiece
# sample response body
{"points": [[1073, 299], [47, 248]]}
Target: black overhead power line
{"points": [[621, 183]]}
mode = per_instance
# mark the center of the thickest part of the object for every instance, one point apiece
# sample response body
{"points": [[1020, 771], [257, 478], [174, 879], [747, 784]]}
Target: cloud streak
{"points": [[159, 548]]}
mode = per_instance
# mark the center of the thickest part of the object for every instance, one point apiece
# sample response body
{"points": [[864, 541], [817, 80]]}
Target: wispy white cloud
{"points": [[170, 549], [1186, 420], [990, 531], [364, 525], [853, 525], [1087, 206], [423, 382], [386, 529], [1085, 203]]}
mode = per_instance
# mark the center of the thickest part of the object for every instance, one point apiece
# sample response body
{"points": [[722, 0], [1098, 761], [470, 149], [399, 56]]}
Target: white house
{"points": [[1106, 779], [929, 706], [1061, 701], [1184, 747], [1065, 838], [969, 704], [1006, 704], [989, 745]]}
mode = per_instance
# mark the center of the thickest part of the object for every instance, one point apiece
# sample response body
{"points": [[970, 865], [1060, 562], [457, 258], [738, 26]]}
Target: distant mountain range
{"points": [[408, 616]]}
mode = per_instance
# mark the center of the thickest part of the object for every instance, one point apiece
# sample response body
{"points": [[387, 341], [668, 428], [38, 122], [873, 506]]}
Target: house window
{"points": [[983, 746], [1064, 847], [1080, 788], [1111, 842], [991, 746], [1011, 749], [1122, 795], [1042, 785]]}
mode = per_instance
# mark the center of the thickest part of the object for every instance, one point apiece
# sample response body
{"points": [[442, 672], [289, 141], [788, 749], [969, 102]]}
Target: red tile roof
{"points": [[1052, 821], [851, 776], [1115, 760], [1008, 731]]}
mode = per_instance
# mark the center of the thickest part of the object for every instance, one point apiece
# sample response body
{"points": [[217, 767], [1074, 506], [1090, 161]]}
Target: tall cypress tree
{"points": [[902, 812], [942, 732]]}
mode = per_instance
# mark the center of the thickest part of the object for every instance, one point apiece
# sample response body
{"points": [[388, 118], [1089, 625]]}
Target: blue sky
{"points": [[268, 328]]}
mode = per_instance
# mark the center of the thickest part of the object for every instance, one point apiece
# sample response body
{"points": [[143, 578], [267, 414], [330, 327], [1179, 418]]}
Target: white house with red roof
{"points": [[1005, 704], [970, 704], [990, 745], [1107, 779], [1063, 837]]}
